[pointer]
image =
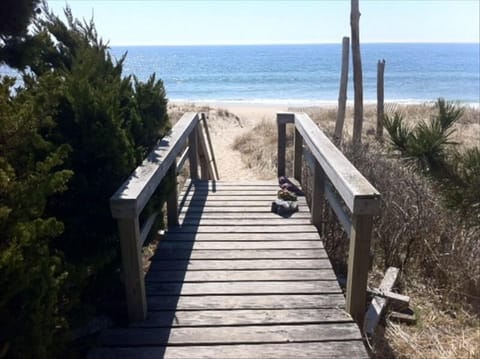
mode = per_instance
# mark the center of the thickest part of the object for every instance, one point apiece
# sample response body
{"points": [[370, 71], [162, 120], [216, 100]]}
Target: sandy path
{"points": [[224, 129]]}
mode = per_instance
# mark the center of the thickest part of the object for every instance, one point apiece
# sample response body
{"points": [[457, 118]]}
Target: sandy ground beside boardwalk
{"points": [[226, 122]]}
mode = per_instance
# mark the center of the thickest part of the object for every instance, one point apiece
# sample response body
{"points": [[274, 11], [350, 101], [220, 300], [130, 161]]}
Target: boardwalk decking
{"points": [[236, 281]]}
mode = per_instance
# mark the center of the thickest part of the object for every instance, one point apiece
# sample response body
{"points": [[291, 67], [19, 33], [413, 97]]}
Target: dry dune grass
{"points": [[415, 233], [439, 259]]}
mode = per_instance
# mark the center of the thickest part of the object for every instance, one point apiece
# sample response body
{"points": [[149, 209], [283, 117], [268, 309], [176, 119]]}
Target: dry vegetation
{"points": [[437, 253]]}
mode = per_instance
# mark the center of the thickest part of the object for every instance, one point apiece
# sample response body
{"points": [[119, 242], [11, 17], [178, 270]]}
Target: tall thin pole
{"points": [[342, 94], [357, 73]]}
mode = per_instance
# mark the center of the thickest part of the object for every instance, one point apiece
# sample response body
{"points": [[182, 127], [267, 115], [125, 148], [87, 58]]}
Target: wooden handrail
{"points": [[335, 180], [133, 195]]}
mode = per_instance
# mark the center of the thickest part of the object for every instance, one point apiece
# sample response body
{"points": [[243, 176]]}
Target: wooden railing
{"points": [[188, 139], [353, 199]]}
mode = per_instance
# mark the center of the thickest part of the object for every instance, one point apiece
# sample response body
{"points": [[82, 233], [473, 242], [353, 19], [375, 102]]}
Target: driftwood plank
{"points": [[260, 287], [227, 302], [378, 304], [347, 349], [202, 264], [241, 275], [231, 335], [179, 253], [242, 317]]}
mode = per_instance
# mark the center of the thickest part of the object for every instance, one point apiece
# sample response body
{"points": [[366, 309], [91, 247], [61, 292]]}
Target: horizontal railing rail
{"points": [[349, 194], [133, 195]]}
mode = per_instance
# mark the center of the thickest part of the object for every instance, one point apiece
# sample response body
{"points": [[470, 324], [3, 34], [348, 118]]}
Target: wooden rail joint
{"points": [[335, 180]]}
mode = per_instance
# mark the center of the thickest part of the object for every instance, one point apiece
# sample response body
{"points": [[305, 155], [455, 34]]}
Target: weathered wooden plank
{"points": [[251, 245], [325, 349], [244, 229], [376, 308], [359, 195], [132, 196], [236, 201], [240, 275], [241, 183], [297, 236], [198, 208], [220, 302], [279, 221], [242, 317], [243, 215], [230, 335], [259, 287], [233, 191], [180, 253], [203, 264]]}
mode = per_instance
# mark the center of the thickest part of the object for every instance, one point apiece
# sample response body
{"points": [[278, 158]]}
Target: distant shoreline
{"points": [[306, 103]]}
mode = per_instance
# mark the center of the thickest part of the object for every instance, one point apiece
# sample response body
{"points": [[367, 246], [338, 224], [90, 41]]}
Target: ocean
{"points": [[307, 74]]}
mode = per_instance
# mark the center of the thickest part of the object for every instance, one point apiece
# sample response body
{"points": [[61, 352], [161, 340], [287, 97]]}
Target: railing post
{"points": [[282, 134], [172, 200], [202, 155], [358, 264], [129, 231], [193, 154], [297, 162], [318, 196]]}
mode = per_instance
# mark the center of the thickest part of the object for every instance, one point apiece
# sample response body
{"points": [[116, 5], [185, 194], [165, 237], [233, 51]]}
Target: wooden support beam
{"points": [[193, 154], [342, 93], [318, 196], [358, 265], [172, 200], [297, 162], [357, 73], [130, 239], [380, 96], [282, 134]]}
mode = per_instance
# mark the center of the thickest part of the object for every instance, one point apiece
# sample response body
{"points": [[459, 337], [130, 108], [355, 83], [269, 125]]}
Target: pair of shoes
{"points": [[286, 195], [282, 207], [285, 183]]}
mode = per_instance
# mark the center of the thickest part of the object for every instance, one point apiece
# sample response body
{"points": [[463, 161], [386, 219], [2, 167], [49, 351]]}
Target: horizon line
{"points": [[300, 43]]}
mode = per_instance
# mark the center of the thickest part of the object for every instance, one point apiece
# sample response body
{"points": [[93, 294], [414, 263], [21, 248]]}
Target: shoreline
{"points": [[327, 104]]}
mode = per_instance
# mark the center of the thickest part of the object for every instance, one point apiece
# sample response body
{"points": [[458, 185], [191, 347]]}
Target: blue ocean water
{"points": [[307, 73]]}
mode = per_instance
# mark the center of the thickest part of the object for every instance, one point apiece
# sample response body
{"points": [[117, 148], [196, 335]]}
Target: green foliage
{"points": [[30, 273], [75, 120], [428, 147]]}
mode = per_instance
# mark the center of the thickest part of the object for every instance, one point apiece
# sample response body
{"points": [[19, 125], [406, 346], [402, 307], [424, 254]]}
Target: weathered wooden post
{"points": [[193, 154], [380, 98], [129, 231], [357, 73], [318, 196], [342, 93], [297, 161], [358, 265], [172, 200]]}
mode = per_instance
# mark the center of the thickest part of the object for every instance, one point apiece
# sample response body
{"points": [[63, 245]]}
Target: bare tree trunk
{"points": [[342, 94], [380, 98], [357, 73]]}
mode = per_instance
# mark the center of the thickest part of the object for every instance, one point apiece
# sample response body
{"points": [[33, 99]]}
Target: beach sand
{"points": [[227, 121]]}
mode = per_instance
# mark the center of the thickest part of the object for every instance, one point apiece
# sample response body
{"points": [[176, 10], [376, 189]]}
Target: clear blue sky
{"points": [[123, 22]]}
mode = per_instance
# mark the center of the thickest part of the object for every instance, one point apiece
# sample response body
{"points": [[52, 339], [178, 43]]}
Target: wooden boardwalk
{"points": [[234, 280]]}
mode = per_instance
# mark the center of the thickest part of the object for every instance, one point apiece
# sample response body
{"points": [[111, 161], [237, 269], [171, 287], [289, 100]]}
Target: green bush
{"points": [[75, 118], [31, 272]]}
